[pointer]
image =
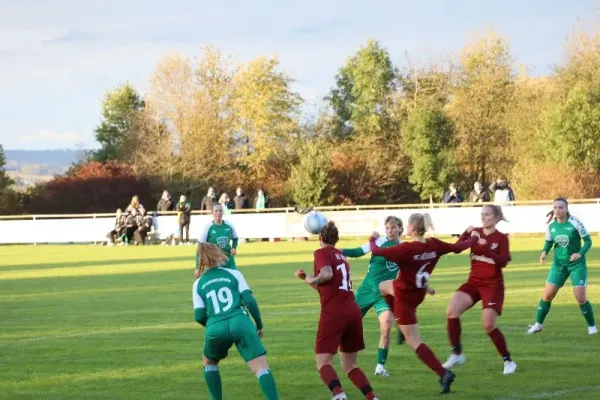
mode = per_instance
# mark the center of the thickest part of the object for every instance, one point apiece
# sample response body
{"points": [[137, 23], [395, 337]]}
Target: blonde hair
{"points": [[394, 220], [497, 211], [224, 198], [210, 256], [421, 222], [135, 201]]}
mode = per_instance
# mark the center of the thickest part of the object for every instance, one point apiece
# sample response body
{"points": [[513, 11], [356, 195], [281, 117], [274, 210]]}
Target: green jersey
{"points": [[379, 269], [222, 235], [219, 291], [566, 239]]}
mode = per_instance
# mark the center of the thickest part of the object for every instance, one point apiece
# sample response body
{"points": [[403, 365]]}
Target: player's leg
{"points": [[351, 342], [463, 299], [386, 320], [212, 376], [329, 376], [386, 289], [260, 369], [557, 276], [492, 298], [216, 347], [328, 340], [579, 282]]}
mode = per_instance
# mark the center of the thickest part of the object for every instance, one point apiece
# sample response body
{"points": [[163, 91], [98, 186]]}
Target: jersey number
{"points": [[346, 280], [221, 298], [422, 278]]}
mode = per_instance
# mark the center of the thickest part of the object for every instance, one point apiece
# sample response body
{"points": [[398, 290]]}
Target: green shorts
{"points": [[238, 330], [558, 274], [368, 296]]}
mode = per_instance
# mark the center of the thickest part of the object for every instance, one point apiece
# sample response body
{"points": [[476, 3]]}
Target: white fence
{"points": [[522, 219]]}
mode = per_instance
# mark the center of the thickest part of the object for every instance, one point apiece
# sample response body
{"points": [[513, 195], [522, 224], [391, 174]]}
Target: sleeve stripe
{"points": [[242, 284], [198, 302]]}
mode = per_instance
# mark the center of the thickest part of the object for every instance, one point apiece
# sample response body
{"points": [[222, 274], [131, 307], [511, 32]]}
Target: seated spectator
{"points": [[135, 205], [479, 194], [116, 233], [165, 203], [453, 195], [240, 200], [184, 214], [260, 203], [224, 201], [502, 190], [143, 228], [130, 226], [209, 200]]}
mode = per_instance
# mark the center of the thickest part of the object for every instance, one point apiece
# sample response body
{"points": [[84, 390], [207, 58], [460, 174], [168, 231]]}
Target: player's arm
{"points": [[362, 250], [502, 257], [234, 239], [325, 275], [247, 298], [465, 235], [398, 253], [445, 248], [200, 314], [587, 245]]}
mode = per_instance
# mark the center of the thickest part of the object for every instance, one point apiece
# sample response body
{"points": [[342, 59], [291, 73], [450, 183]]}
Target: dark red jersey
{"points": [[487, 261], [418, 259], [336, 294]]}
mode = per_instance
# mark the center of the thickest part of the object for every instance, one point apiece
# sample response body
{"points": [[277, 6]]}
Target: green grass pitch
{"points": [[85, 322]]}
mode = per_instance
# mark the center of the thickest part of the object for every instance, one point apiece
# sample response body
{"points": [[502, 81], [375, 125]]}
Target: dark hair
{"points": [[329, 234], [551, 215]]}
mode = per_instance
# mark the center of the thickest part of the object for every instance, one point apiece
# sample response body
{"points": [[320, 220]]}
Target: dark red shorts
{"points": [[405, 305], [491, 294], [343, 330]]}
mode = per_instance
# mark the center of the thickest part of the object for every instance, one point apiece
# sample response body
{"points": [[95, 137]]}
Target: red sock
{"points": [[453, 325], [359, 379], [500, 343], [390, 302], [426, 355], [330, 379]]}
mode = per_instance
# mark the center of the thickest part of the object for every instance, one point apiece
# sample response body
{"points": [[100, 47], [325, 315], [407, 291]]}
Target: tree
{"points": [[481, 99], [5, 180], [429, 142], [361, 95], [118, 110], [309, 179]]}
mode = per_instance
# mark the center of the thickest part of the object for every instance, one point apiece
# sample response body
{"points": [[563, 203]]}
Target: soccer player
{"points": [[417, 259], [218, 296], [340, 324], [221, 233], [368, 295], [565, 233], [485, 283]]}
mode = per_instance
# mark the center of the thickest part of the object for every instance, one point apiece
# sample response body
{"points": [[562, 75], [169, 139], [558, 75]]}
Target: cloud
{"points": [[49, 136]]}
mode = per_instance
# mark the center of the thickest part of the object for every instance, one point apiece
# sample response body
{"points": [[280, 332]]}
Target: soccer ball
{"points": [[314, 222]]}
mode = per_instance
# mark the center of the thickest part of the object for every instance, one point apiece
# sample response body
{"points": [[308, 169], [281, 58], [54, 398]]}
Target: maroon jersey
{"points": [[487, 261], [336, 294], [417, 260]]}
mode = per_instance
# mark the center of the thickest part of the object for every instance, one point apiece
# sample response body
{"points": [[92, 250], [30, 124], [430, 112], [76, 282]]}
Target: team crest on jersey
{"points": [[562, 240], [391, 266], [494, 246], [222, 241]]}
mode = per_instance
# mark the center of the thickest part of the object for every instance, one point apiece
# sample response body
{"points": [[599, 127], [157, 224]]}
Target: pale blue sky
{"points": [[57, 58]]}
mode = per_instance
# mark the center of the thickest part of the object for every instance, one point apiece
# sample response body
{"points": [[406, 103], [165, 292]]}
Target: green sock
{"points": [[382, 356], [542, 310], [213, 381], [267, 384], [588, 313]]}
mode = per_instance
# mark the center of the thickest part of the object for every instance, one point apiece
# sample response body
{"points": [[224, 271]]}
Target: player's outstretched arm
{"points": [[252, 307], [397, 253], [355, 253], [445, 247]]}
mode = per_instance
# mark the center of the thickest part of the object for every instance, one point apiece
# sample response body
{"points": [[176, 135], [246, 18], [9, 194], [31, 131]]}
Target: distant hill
{"points": [[53, 158]]}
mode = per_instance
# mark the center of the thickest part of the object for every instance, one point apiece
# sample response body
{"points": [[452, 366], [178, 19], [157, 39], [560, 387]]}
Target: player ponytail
{"points": [[550, 216], [497, 211], [210, 256], [329, 234], [421, 222]]}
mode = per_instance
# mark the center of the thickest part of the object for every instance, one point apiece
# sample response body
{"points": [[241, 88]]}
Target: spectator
{"points": [[184, 213], [165, 203], [143, 225], [119, 228], [130, 226], [479, 194], [240, 200], [453, 195], [225, 202], [209, 200], [135, 205], [502, 190], [261, 201]]}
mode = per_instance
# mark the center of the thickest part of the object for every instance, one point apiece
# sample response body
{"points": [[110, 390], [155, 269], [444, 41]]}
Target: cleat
{"points": [[341, 396], [535, 328], [381, 371], [509, 367], [592, 330], [446, 381], [455, 360]]}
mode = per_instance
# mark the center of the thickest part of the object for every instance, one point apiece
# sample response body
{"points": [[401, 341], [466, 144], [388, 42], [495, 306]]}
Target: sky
{"points": [[58, 57]]}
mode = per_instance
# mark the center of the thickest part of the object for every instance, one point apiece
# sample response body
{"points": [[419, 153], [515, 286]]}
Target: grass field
{"points": [[85, 322]]}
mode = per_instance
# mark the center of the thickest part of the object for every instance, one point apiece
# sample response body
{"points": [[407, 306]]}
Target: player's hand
{"points": [[375, 235], [474, 233], [300, 274], [543, 257], [482, 242], [233, 251], [260, 333], [575, 257], [470, 229], [197, 273], [430, 290]]}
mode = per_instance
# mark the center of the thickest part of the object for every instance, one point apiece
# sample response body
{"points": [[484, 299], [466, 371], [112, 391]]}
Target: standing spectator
{"points": [[453, 195], [502, 190], [240, 200], [225, 202], [479, 194], [135, 205], [261, 201], [184, 213], [119, 228], [165, 203], [209, 200]]}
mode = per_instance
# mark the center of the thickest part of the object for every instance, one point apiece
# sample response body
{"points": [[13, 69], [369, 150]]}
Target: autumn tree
{"points": [[309, 180]]}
